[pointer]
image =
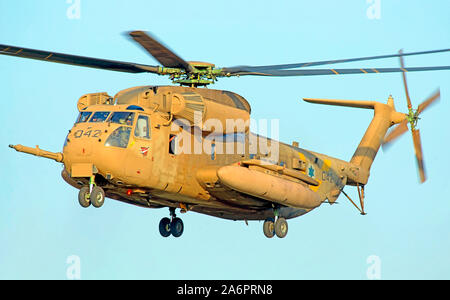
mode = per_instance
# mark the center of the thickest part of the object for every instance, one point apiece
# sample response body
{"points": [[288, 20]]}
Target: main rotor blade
{"points": [[312, 72], [402, 65], [160, 52], [338, 102], [398, 131], [320, 63], [419, 155], [75, 60], [425, 104]]}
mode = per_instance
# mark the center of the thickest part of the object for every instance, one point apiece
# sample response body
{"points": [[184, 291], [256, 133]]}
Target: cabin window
{"points": [[99, 116], [119, 137], [84, 116], [142, 128], [173, 149], [124, 118]]}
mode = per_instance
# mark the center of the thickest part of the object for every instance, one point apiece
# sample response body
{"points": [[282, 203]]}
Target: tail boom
{"points": [[384, 117]]}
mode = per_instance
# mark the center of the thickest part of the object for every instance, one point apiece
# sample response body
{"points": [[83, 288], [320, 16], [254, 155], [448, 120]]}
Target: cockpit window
{"points": [[124, 118], [84, 116], [99, 116], [142, 128], [119, 137]]}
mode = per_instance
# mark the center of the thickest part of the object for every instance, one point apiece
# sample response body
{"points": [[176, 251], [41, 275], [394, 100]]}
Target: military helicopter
{"points": [[127, 147]]}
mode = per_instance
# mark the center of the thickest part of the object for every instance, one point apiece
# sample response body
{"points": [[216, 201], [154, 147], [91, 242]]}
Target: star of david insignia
{"points": [[311, 172]]}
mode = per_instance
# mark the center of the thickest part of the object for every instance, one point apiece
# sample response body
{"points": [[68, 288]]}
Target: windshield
{"points": [[99, 116], [84, 116], [124, 118], [119, 137]]}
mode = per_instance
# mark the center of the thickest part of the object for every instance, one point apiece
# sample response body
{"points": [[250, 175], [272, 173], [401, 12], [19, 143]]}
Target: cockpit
{"points": [[99, 116], [124, 118], [120, 136], [83, 116]]}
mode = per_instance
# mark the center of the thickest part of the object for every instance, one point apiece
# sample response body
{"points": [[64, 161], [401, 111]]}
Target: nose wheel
{"points": [[97, 196], [92, 194], [173, 226], [83, 197]]}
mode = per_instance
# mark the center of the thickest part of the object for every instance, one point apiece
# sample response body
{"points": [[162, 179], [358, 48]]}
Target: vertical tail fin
{"points": [[384, 117]]}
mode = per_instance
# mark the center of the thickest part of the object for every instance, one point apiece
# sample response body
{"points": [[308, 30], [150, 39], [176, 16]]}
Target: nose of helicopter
{"points": [[115, 146], [83, 138], [85, 146]]}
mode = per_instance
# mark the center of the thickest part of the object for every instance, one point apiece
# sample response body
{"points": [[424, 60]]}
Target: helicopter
{"points": [[189, 148]]}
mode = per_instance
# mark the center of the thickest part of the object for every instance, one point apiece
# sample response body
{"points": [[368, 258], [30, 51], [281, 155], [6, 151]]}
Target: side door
{"points": [[138, 161]]}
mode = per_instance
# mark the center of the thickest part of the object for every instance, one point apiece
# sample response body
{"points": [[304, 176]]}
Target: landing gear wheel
{"points": [[176, 227], [97, 196], [164, 227], [269, 228], [281, 227], [83, 197]]}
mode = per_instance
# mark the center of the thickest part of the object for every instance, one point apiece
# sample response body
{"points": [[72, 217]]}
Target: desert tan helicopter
{"points": [[127, 147]]}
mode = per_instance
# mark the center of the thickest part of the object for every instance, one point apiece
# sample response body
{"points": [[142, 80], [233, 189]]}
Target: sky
{"points": [[406, 233]]}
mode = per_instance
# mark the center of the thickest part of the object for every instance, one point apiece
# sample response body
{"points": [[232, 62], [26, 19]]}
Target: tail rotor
{"points": [[412, 117]]}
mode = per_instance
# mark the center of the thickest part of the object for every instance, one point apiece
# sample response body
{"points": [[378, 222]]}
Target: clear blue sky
{"points": [[407, 226]]}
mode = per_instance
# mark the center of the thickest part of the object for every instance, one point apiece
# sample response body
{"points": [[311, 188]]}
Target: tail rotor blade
{"points": [[419, 155], [402, 65], [425, 104], [398, 131]]}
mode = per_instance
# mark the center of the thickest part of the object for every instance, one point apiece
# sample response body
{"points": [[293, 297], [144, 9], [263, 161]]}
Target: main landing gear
{"points": [[277, 226], [173, 226], [92, 194]]}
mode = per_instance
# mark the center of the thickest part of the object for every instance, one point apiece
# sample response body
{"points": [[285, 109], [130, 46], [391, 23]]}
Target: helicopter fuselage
{"points": [[133, 152]]}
